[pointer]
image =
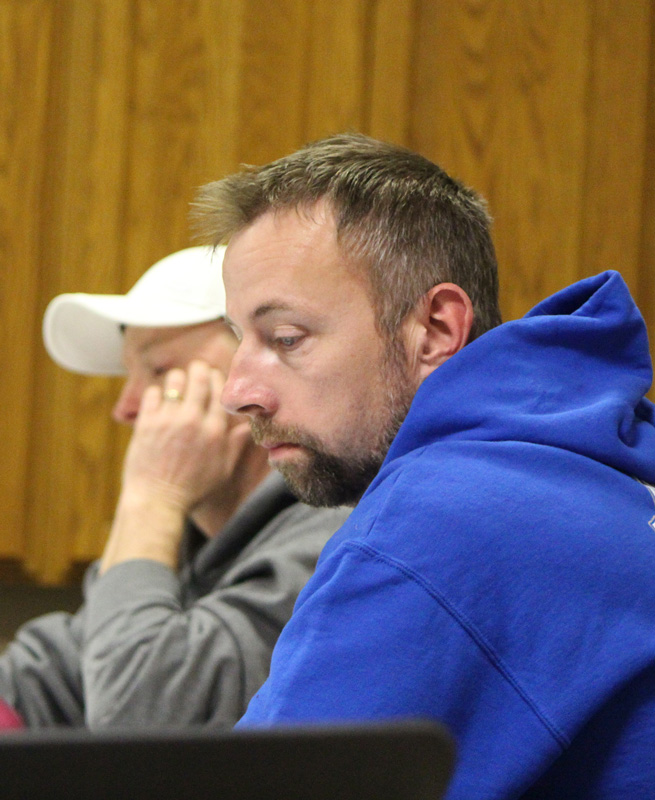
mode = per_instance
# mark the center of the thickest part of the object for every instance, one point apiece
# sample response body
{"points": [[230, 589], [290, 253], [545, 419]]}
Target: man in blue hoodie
{"points": [[498, 571]]}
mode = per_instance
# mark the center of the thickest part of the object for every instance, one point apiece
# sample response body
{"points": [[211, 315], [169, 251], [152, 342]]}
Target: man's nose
{"points": [[126, 409], [246, 390]]}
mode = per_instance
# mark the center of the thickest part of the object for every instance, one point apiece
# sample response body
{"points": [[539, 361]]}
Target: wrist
{"points": [[146, 525], [153, 496]]}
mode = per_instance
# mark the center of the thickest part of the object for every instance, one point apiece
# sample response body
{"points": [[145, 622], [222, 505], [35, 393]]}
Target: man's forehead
{"points": [[144, 339], [276, 233], [281, 263]]}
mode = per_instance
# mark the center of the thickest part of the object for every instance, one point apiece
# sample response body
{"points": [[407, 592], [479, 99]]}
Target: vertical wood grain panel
{"points": [[99, 446], [504, 86], [49, 534], [275, 50], [166, 108], [393, 28], [219, 130], [646, 259], [112, 112], [24, 69], [69, 490], [456, 111], [336, 84], [616, 138], [538, 190]]}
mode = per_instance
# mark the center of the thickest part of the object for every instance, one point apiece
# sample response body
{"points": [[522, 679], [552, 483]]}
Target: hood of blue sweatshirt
{"points": [[571, 374]]}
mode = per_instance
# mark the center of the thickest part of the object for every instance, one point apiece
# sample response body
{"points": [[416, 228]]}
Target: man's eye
{"points": [[287, 342]]}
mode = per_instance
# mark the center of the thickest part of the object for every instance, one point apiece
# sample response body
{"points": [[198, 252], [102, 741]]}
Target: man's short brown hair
{"points": [[397, 215]]}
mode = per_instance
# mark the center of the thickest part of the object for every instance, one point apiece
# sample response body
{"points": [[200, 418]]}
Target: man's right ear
{"points": [[441, 323]]}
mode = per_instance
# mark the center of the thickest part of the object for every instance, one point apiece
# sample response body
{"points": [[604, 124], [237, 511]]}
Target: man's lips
{"points": [[277, 448]]}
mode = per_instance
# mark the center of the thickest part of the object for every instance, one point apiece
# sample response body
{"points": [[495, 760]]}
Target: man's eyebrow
{"points": [[262, 311], [269, 308]]}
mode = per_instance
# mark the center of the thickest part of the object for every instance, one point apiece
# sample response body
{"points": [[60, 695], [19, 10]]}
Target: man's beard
{"points": [[334, 480]]}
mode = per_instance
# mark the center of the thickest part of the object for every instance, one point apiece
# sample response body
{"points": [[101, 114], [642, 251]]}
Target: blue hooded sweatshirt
{"points": [[499, 573]]}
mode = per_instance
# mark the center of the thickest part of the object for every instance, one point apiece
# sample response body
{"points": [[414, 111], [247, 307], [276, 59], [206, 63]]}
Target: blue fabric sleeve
{"points": [[371, 640]]}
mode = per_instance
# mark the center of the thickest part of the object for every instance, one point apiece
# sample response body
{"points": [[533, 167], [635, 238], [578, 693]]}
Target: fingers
{"points": [[175, 385], [201, 382], [199, 387], [217, 381], [150, 402], [183, 438]]}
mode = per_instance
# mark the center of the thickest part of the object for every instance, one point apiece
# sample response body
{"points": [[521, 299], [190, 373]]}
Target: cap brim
{"points": [[82, 332]]}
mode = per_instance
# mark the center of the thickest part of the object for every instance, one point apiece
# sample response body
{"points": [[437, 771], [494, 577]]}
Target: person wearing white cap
{"points": [[208, 549]]}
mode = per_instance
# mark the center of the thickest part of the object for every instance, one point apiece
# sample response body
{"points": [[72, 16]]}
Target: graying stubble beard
{"points": [[330, 480]]}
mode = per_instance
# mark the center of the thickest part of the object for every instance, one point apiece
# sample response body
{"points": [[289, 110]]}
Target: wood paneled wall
{"points": [[112, 112]]}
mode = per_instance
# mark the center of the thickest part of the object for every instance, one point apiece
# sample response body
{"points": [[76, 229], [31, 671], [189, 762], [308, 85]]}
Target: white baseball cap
{"points": [[82, 332]]}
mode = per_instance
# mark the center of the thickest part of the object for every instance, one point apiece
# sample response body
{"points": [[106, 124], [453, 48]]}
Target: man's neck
{"points": [[213, 513]]}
